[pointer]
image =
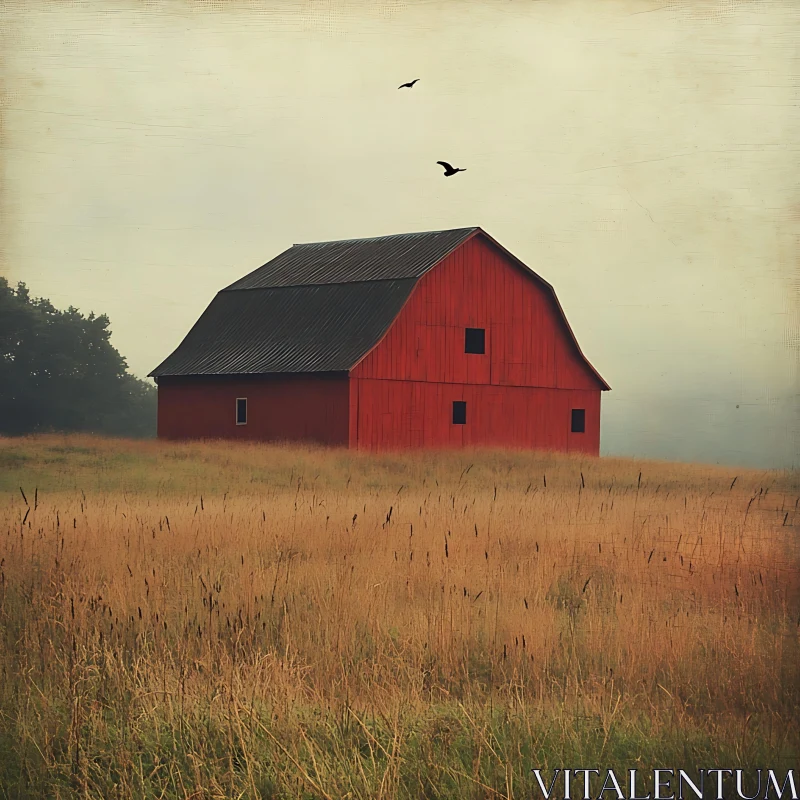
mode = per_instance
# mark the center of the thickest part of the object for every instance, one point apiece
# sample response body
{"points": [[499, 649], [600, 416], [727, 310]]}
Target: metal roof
{"points": [[290, 329], [320, 306], [406, 255]]}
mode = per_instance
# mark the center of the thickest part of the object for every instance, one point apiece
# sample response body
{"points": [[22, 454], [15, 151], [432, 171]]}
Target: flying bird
{"points": [[409, 85], [450, 170]]}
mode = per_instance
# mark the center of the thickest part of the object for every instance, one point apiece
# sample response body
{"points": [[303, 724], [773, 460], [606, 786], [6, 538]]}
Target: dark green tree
{"points": [[60, 372]]}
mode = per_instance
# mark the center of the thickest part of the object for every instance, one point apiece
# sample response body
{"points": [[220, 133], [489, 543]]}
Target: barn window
{"points": [[578, 420], [459, 412], [475, 341], [241, 411]]}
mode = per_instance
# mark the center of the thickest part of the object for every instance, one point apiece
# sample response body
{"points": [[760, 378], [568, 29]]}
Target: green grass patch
{"points": [[447, 751]]}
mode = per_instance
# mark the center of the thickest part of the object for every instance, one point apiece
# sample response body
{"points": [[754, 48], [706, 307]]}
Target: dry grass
{"points": [[211, 620]]}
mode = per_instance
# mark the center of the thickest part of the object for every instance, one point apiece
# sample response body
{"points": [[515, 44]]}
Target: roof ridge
{"points": [[469, 228]]}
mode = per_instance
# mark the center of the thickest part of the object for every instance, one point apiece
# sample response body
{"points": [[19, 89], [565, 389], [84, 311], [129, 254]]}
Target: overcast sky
{"points": [[642, 156]]}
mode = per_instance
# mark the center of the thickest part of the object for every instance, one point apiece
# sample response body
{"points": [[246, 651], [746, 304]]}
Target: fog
{"points": [[640, 156]]}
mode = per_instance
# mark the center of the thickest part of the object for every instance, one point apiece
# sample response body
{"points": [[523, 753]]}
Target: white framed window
{"points": [[241, 411]]}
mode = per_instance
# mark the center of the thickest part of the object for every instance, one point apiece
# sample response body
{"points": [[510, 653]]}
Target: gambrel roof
{"points": [[318, 307]]}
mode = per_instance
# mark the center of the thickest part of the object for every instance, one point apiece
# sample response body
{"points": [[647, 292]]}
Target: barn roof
{"points": [[406, 255], [288, 329], [317, 307]]}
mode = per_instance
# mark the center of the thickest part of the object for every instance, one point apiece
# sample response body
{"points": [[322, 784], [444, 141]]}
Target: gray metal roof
{"points": [[320, 307], [406, 255], [288, 329]]}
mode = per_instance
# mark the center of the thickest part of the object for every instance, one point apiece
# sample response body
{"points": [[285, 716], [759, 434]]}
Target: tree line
{"points": [[59, 372]]}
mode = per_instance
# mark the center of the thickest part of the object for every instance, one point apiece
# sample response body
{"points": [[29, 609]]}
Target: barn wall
{"points": [[476, 286], [409, 414], [520, 393], [294, 408]]}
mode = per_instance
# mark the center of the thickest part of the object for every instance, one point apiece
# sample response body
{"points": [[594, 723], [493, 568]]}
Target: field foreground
{"points": [[213, 620]]}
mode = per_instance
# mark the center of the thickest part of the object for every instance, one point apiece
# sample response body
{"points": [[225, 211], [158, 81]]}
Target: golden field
{"points": [[217, 620]]}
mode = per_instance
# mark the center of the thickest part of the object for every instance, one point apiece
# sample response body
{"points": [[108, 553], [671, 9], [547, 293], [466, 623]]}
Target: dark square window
{"points": [[459, 412], [475, 341], [241, 411], [578, 420]]}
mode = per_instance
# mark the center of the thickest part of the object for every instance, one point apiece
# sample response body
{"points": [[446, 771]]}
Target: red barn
{"points": [[439, 339]]}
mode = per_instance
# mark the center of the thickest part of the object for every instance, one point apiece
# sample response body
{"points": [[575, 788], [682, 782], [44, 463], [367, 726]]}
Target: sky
{"points": [[640, 155]]}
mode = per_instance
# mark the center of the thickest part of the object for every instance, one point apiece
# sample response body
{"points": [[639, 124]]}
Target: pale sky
{"points": [[641, 156]]}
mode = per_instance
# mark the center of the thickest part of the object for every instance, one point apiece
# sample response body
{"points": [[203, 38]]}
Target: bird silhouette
{"points": [[409, 85], [450, 170]]}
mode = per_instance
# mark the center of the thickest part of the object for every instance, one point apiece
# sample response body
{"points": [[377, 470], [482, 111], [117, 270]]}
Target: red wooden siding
{"points": [[407, 414], [304, 408], [476, 286], [520, 393]]}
